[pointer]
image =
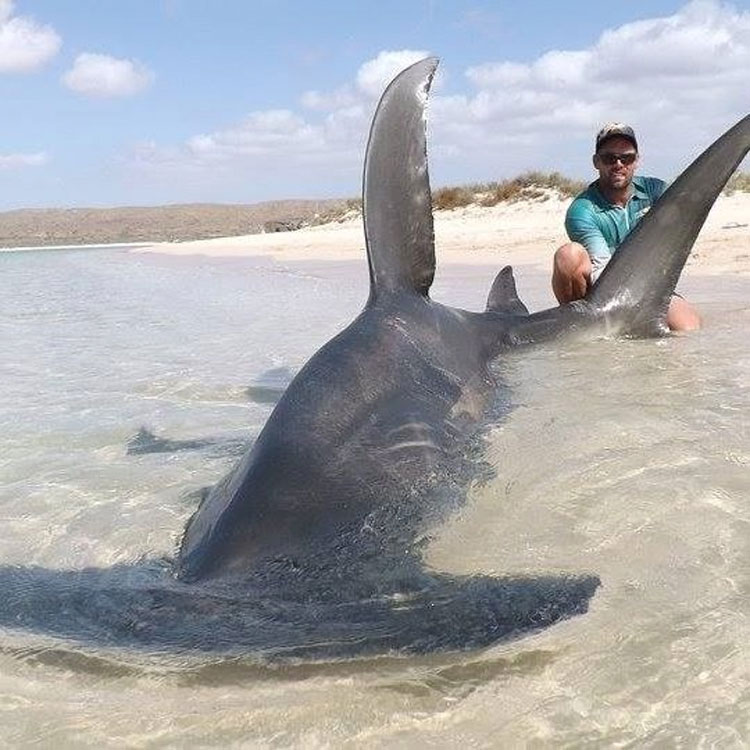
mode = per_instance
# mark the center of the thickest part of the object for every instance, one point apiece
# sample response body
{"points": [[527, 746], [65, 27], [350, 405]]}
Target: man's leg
{"points": [[682, 316], [571, 272]]}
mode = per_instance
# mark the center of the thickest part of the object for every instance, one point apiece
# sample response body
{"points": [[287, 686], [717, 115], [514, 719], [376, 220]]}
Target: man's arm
{"points": [[581, 228]]}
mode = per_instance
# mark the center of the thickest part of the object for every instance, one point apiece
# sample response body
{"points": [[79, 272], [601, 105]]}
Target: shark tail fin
{"points": [[644, 271], [503, 297], [397, 204]]}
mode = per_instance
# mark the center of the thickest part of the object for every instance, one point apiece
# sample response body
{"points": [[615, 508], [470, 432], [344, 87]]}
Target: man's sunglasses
{"points": [[612, 159]]}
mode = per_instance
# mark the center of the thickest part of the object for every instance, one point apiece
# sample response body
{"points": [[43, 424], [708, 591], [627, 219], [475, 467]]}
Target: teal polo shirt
{"points": [[601, 226]]}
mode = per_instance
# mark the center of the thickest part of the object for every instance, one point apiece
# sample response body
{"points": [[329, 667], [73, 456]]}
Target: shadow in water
{"points": [[145, 441], [268, 388]]}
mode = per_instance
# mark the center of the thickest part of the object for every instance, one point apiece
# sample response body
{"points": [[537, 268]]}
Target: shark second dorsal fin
{"points": [[503, 297], [397, 204]]}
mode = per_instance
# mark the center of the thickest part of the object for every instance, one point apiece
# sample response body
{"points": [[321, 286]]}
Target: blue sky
{"points": [[146, 102]]}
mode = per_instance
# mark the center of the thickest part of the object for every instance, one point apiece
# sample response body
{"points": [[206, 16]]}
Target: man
{"points": [[601, 217]]}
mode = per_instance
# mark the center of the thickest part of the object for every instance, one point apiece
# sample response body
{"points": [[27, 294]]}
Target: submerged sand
{"points": [[522, 233]]}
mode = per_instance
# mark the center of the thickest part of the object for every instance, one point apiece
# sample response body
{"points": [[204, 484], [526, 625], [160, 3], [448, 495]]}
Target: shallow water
{"points": [[628, 459]]}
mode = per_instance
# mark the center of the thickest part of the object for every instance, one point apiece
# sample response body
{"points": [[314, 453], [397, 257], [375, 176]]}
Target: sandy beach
{"points": [[521, 233]]}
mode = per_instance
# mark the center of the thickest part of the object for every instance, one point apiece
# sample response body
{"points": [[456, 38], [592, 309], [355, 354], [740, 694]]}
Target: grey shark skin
{"points": [[311, 546], [375, 417]]}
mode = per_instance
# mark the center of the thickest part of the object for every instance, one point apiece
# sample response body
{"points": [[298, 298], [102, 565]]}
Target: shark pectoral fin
{"points": [[397, 204], [479, 611], [444, 613], [644, 271], [503, 297]]}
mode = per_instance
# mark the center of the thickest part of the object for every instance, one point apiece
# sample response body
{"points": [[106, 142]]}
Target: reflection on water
{"points": [[624, 458]]}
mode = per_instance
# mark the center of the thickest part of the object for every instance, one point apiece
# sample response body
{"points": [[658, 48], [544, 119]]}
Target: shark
{"points": [[312, 546]]}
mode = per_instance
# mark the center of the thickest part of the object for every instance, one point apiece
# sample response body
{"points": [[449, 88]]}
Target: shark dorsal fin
{"points": [[503, 297], [397, 204]]}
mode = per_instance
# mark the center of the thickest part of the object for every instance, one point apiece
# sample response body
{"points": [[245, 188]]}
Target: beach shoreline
{"points": [[521, 233], [86, 246]]}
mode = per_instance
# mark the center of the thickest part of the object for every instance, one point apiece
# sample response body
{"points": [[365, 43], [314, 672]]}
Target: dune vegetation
{"points": [[529, 186], [180, 223]]}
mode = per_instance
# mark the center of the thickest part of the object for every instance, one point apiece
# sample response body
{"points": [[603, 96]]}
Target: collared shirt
{"points": [[601, 226]]}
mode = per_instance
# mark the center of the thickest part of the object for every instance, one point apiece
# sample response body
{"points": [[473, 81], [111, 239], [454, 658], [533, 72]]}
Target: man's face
{"points": [[614, 173]]}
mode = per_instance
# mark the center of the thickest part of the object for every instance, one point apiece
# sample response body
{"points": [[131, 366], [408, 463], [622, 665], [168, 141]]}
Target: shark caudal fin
{"points": [[397, 205], [644, 271]]}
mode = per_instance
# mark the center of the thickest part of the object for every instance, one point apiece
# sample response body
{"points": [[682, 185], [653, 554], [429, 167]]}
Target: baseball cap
{"points": [[616, 129]]}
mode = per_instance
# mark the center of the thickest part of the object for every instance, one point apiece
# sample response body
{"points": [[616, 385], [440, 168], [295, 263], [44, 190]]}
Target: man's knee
{"points": [[682, 316], [572, 258], [571, 272]]}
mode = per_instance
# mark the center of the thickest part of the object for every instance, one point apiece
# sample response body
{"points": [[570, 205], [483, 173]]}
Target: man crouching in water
{"points": [[601, 217]]}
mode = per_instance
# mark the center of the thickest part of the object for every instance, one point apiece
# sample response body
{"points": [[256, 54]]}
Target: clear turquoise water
{"points": [[627, 459]]}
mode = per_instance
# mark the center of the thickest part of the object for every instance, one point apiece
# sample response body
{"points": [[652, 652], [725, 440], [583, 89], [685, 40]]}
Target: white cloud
{"points": [[703, 38], [347, 127], [273, 132], [371, 78], [104, 76], [499, 75], [13, 161], [680, 80], [25, 45], [374, 75], [334, 132], [322, 101]]}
